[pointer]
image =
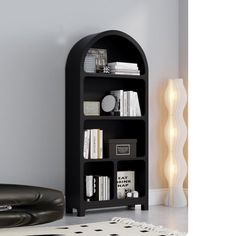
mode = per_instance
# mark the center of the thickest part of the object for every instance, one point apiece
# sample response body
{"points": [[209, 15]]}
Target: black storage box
{"points": [[121, 148]]}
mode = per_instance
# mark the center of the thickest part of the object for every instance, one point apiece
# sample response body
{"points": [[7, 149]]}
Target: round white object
{"points": [[108, 103], [129, 194]]}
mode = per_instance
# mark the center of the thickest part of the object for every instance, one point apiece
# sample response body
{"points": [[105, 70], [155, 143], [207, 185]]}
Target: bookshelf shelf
{"points": [[82, 86], [124, 118], [108, 76], [116, 202], [114, 159]]}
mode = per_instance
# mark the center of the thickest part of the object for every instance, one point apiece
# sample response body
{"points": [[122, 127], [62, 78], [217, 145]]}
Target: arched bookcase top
{"points": [[120, 47]]}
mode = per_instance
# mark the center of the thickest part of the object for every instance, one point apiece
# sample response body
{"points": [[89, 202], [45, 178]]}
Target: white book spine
{"points": [[137, 105], [125, 104], [121, 103], [100, 188], [93, 144], [98, 143], [89, 186], [128, 103], [104, 187], [88, 140], [133, 104], [86, 144], [108, 188], [84, 153], [101, 144]]}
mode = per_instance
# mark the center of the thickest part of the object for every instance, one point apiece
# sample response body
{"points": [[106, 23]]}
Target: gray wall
{"points": [[183, 39], [36, 37]]}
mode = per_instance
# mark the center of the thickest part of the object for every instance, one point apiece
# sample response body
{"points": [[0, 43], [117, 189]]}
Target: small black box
{"points": [[121, 148]]}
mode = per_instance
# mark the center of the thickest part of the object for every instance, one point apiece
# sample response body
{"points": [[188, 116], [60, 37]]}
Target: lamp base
{"points": [[175, 197]]}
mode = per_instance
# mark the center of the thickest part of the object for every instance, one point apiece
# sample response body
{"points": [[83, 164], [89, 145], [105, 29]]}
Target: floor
{"points": [[173, 218]]}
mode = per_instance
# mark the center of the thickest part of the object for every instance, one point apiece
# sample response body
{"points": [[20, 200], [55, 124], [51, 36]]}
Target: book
{"points": [[96, 188], [125, 70], [99, 190], [86, 144], [133, 104], [124, 65], [119, 95], [108, 189], [130, 101], [125, 103], [89, 186], [125, 183], [100, 144], [93, 144], [104, 188], [124, 73], [84, 151], [137, 105]]}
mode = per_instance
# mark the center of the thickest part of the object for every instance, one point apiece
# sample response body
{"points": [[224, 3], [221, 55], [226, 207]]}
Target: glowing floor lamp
{"points": [[175, 135]]}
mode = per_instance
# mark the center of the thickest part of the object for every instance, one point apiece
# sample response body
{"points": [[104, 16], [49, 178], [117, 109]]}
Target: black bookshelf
{"points": [[82, 86]]}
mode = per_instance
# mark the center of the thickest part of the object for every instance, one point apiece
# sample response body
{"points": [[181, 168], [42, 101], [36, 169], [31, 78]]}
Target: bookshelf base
{"points": [[144, 207], [69, 210], [131, 207], [80, 212]]}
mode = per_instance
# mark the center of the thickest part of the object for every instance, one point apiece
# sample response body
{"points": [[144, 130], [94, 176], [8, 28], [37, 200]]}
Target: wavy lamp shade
{"points": [[175, 135]]}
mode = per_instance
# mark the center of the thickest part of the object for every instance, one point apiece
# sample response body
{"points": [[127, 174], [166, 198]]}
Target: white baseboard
{"points": [[157, 196]]}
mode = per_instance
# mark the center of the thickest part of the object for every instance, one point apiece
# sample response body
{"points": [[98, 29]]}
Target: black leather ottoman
{"points": [[27, 205]]}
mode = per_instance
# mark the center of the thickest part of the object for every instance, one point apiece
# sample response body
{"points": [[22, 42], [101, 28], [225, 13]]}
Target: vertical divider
{"points": [[115, 180]]}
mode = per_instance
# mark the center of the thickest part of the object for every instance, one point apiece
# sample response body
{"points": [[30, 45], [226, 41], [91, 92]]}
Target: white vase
{"points": [[175, 135]]}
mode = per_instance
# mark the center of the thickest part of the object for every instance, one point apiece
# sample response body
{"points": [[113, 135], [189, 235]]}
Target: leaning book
{"points": [[125, 183]]}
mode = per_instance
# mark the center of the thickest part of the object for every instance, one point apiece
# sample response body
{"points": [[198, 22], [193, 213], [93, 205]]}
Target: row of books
{"points": [[127, 103], [124, 68], [97, 188], [93, 144]]}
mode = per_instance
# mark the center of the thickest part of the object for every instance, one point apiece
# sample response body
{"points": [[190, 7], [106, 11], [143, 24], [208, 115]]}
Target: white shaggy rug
{"points": [[116, 227]]}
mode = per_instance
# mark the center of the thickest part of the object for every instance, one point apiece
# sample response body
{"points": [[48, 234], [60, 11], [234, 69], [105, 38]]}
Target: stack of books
{"points": [[97, 188], [127, 103], [90, 64], [93, 144], [124, 68]]}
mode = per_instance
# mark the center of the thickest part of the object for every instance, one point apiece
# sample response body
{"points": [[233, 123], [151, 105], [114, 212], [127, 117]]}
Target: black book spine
{"points": [[96, 188]]}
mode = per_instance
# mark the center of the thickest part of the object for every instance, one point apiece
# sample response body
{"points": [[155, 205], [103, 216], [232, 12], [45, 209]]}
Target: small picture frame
{"points": [[100, 55], [91, 108]]}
